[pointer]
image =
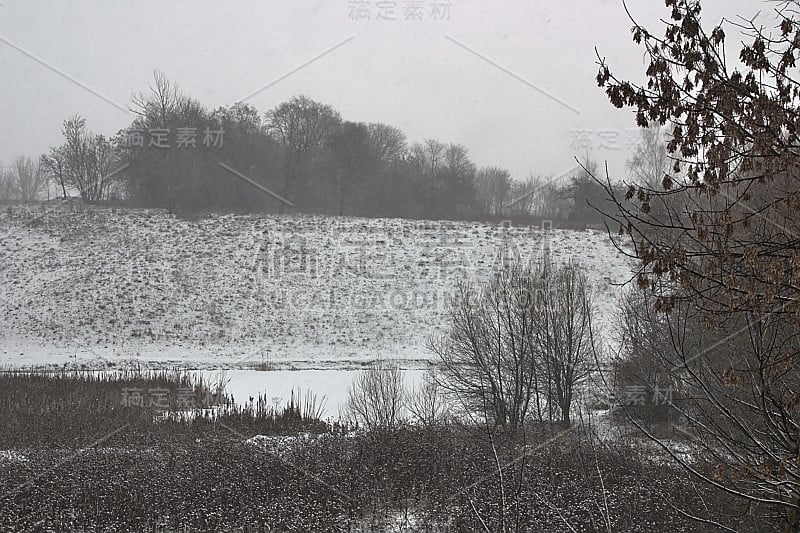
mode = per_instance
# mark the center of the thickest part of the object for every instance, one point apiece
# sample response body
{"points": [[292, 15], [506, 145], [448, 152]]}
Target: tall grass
{"points": [[67, 407]]}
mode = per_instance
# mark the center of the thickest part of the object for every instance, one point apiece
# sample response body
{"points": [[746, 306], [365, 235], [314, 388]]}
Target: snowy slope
{"points": [[104, 285]]}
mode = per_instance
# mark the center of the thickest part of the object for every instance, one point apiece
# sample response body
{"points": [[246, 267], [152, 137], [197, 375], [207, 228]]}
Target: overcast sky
{"points": [[513, 80]]}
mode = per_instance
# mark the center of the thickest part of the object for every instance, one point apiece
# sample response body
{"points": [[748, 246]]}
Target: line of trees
{"points": [[302, 150]]}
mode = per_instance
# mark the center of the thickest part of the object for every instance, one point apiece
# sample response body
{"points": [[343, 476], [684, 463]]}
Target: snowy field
{"points": [[109, 287]]}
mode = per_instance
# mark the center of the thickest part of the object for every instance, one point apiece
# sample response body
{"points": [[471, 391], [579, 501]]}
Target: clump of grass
{"points": [[359, 482], [265, 365], [68, 407]]}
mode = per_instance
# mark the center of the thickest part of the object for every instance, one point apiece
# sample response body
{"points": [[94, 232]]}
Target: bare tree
{"points": [[78, 152], [537, 196], [434, 156], [433, 160], [56, 167], [587, 197], [493, 190], [563, 331], [650, 163], [27, 179], [103, 166], [301, 126], [550, 203], [524, 197], [646, 380], [426, 401], [375, 398], [520, 345], [161, 104], [485, 363], [85, 159], [6, 185], [388, 142], [169, 175], [456, 191]]}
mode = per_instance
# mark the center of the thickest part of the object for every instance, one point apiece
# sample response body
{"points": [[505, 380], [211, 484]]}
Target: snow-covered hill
{"points": [[106, 286]]}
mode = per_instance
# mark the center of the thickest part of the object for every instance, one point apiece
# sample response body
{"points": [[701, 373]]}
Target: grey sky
{"points": [[480, 76]]}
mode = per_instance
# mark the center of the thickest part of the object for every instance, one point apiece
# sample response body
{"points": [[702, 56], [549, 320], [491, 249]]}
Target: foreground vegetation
{"points": [[712, 223], [73, 408], [75, 459], [412, 478]]}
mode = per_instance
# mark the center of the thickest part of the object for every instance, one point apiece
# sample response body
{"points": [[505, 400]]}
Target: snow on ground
{"points": [[105, 287]]}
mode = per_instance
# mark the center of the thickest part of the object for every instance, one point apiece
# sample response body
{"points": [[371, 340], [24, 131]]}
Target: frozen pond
{"points": [[330, 384]]}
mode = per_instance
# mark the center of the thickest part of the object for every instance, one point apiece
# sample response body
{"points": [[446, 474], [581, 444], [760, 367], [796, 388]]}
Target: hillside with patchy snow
{"points": [[105, 287]]}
